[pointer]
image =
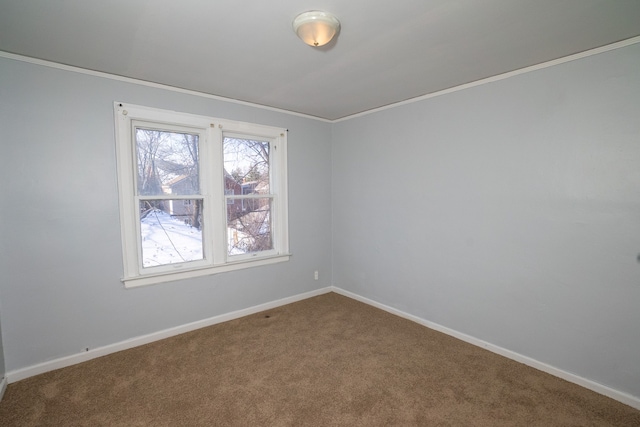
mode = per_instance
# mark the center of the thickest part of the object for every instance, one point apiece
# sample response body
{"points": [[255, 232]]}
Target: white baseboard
{"points": [[620, 396], [73, 359], [3, 387], [20, 374]]}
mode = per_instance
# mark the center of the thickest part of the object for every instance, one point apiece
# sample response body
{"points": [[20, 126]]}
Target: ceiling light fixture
{"points": [[316, 28]]}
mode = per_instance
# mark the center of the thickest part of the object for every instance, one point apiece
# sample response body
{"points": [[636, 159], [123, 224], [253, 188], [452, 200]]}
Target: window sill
{"points": [[134, 282]]}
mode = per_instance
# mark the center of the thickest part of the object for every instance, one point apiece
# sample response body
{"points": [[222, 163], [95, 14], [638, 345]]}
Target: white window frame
{"points": [[211, 133]]}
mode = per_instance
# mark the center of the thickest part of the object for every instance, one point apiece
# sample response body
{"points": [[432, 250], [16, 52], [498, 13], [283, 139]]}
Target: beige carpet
{"points": [[325, 361]]}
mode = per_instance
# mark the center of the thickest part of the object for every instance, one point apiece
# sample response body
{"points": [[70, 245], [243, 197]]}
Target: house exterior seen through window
{"points": [[198, 195]]}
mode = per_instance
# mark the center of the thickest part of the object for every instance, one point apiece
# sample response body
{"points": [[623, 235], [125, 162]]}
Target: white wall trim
{"points": [[491, 79], [620, 396], [3, 387], [41, 368], [104, 75], [498, 77], [20, 374]]}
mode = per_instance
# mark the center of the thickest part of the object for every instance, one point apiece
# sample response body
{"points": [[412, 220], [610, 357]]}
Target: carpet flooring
{"points": [[324, 361]]}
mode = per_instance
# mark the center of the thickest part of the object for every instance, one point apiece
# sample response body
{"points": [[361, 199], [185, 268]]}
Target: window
{"points": [[229, 192], [198, 195]]}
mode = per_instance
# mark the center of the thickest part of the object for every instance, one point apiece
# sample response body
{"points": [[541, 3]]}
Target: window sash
{"points": [[177, 247], [168, 129]]}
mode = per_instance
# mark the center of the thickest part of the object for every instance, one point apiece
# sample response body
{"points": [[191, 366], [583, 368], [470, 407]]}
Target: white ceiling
{"points": [[386, 52]]}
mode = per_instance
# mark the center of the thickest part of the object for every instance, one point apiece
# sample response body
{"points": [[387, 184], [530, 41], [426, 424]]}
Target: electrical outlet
{"points": [[315, 275]]}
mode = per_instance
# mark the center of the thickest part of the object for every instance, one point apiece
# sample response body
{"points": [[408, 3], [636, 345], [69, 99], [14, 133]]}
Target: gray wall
{"points": [[60, 250], [2, 369], [509, 212]]}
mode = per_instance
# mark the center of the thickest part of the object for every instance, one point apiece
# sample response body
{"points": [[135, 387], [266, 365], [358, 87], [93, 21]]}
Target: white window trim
{"points": [[211, 133]]}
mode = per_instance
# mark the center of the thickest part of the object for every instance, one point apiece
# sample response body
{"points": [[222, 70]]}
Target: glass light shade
{"points": [[316, 28]]}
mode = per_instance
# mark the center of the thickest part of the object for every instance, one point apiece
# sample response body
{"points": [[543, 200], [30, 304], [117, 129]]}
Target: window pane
{"points": [[246, 166], [167, 162], [249, 226], [170, 231]]}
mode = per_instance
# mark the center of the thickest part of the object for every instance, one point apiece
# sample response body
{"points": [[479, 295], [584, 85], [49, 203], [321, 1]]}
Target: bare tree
{"points": [[191, 147], [248, 161], [164, 157], [253, 231], [147, 144]]}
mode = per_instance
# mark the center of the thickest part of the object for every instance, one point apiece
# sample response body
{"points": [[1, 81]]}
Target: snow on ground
{"points": [[167, 240]]}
